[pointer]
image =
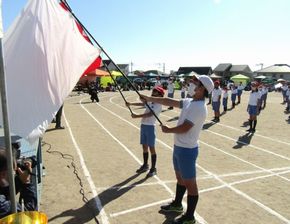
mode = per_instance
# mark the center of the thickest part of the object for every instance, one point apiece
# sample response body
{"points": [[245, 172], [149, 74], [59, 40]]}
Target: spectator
{"points": [[23, 186]]}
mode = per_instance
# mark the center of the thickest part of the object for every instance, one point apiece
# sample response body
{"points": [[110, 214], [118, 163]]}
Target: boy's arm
{"points": [[149, 114], [164, 101], [178, 129], [134, 104]]}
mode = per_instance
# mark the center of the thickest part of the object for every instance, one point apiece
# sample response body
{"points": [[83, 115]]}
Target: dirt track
{"points": [[241, 177]]}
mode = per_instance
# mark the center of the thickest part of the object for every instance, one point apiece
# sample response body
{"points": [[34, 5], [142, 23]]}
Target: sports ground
{"points": [[242, 177]]}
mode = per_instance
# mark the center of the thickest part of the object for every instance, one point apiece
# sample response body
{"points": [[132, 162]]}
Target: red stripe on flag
{"points": [[96, 64]]}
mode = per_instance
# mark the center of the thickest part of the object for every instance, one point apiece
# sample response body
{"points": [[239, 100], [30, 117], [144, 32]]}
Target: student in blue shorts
{"points": [[254, 106], [186, 134], [147, 135]]}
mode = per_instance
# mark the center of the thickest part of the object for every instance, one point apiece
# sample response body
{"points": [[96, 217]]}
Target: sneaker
{"points": [[184, 220], [171, 207], [249, 130], [143, 169], [151, 172]]}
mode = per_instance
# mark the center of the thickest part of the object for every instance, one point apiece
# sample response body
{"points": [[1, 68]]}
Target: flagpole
{"points": [[8, 148], [102, 50]]}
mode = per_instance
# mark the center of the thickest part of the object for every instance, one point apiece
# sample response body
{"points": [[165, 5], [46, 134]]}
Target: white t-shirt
{"points": [[225, 94], [234, 91], [216, 93], [170, 87], [254, 97], [194, 112], [240, 87], [284, 87], [191, 89], [264, 90], [157, 83], [157, 108]]}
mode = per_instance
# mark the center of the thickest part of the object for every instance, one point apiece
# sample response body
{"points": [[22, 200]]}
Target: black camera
{"points": [[21, 162]]}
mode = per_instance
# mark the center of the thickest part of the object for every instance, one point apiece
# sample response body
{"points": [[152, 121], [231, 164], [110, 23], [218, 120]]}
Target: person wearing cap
{"points": [[264, 96], [234, 92], [170, 89], [216, 100], [225, 98], [253, 106], [147, 131], [185, 152], [240, 91], [287, 109]]}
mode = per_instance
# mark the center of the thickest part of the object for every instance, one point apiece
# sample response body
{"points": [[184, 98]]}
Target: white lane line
{"points": [[205, 177], [211, 146], [250, 145], [239, 192], [139, 208], [198, 217], [262, 136], [87, 174], [240, 130], [269, 210], [201, 192]]}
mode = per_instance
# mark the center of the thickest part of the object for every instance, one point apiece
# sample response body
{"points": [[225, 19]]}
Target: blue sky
{"points": [[183, 32]]}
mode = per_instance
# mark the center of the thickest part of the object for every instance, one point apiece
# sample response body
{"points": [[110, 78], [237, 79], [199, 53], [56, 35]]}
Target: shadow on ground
{"points": [[89, 212], [244, 140]]}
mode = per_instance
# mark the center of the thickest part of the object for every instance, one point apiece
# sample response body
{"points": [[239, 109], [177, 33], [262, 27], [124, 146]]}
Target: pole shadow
{"points": [[89, 211], [244, 140]]}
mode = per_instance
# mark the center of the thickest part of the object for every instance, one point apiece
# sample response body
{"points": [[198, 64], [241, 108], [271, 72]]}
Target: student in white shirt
{"points": [[264, 96], [288, 98], [170, 89], [284, 89], [147, 131], [225, 98], [186, 134], [183, 89], [234, 95], [240, 91], [216, 101], [253, 106]]}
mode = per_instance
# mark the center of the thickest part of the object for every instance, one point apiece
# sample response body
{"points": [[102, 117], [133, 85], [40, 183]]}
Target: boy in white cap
{"points": [[186, 134]]}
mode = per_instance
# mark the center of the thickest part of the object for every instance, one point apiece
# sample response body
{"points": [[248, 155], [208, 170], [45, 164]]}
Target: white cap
{"points": [[206, 82]]}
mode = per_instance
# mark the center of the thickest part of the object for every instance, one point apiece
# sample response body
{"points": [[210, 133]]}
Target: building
{"points": [[228, 70], [125, 68], [198, 70], [277, 71]]}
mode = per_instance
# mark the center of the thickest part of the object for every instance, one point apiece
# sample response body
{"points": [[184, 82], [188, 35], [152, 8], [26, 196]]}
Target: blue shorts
{"points": [[170, 95], [233, 97], [184, 161], [216, 106], [240, 92], [147, 136], [225, 102], [252, 110]]}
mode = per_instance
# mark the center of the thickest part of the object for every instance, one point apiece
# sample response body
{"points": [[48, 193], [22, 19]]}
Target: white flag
{"points": [[44, 56]]}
